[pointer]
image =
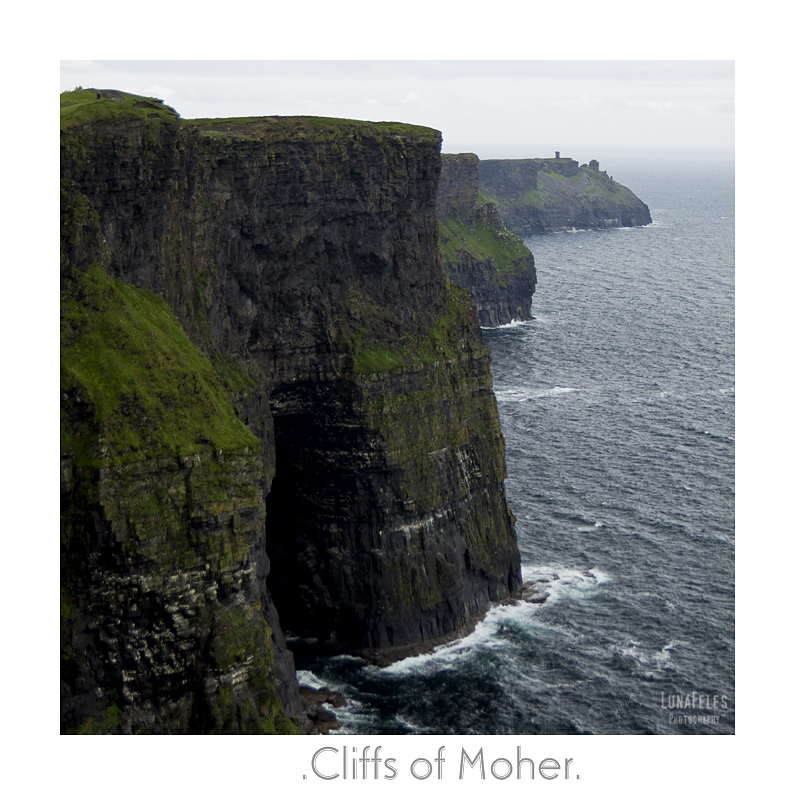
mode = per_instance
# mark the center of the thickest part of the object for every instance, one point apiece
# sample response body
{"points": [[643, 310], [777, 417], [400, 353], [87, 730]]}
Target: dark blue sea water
{"points": [[617, 405]]}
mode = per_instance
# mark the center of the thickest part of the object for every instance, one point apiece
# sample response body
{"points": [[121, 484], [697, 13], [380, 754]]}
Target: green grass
{"points": [[483, 242], [82, 107], [440, 343], [232, 376], [542, 197], [321, 127], [153, 392], [380, 359], [585, 183]]}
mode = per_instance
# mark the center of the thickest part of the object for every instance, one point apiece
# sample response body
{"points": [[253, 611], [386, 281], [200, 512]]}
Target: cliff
{"points": [[478, 252], [276, 414], [551, 195]]}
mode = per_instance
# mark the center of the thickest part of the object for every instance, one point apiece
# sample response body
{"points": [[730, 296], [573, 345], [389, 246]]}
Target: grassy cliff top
{"points": [[324, 128], [83, 106], [470, 156]]}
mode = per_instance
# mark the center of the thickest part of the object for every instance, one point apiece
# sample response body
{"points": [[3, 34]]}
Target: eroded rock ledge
{"points": [[276, 412], [478, 252]]}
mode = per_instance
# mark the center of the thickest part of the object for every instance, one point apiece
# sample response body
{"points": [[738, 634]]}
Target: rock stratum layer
{"points": [[551, 195], [276, 413], [478, 252]]}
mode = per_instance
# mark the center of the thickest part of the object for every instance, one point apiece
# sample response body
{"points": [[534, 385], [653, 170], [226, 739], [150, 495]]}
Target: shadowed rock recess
{"points": [[276, 412]]}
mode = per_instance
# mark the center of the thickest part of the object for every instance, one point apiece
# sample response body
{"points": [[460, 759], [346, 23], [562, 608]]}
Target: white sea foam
{"points": [[559, 582], [602, 578], [412, 727], [309, 679], [531, 393], [483, 636], [513, 324], [354, 714], [549, 584], [645, 658], [663, 657]]}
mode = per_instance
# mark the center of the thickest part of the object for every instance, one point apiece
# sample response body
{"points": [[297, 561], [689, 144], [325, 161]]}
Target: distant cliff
{"points": [[550, 195], [478, 253], [276, 413]]}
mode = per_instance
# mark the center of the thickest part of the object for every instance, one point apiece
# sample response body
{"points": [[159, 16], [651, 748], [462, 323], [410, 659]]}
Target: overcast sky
{"points": [[492, 108]]}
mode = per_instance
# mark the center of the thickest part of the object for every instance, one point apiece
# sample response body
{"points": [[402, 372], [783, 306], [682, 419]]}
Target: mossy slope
{"points": [[482, 241], [153, 392]]}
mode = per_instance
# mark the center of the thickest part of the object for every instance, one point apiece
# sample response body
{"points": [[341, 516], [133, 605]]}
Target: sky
{"points": [[495, 108]]}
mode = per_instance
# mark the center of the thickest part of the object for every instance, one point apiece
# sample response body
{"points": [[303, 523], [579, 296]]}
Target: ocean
{"points": [[617, 406]]}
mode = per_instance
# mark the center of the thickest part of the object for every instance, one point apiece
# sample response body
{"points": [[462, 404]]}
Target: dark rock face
{"points": [[403, 468], [508, 179], [551, 195], [323, 720], [478, 252], [458, 185], [367, 501]]}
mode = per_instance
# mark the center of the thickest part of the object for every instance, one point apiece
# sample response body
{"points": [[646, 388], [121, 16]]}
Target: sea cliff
{"points": [[276, 411], [478, 252], [554, 194]]}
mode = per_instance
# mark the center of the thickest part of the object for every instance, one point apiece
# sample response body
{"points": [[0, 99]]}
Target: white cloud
{"points": [[412, 98], [587, 101], [80, 66], [160, 92]]}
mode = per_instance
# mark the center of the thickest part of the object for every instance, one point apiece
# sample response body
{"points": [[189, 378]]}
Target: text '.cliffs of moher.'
{"points": [[370, 762]]}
